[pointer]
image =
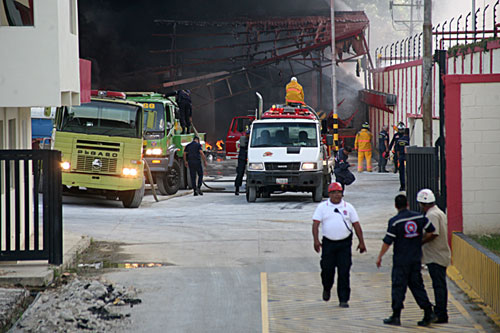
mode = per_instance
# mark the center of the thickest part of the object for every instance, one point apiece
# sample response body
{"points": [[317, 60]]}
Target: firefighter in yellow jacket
{"points": [[294, 92], [363, 145]]}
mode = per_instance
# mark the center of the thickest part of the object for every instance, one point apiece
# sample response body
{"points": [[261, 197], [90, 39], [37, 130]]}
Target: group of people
{"points": [[418, 238], [363, 145]]}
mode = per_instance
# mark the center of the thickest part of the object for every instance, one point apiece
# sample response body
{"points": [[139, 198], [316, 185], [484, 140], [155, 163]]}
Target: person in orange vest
{"points": [[294, 92], [363, 145]]}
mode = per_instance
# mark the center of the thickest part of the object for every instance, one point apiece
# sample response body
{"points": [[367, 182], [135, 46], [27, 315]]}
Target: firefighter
{"points": [[363, 144], [294, 93], [383, 148], [341, 169], [400, 132], [183, 100], [242, 162], [400, 148], [406, 231]]}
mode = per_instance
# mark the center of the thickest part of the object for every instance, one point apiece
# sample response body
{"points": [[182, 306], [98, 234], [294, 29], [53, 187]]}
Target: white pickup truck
{"points": [[286, 153]]}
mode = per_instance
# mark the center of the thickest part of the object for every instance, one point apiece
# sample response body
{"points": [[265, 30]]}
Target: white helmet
{"points": [[294, 79], [426, 196]]}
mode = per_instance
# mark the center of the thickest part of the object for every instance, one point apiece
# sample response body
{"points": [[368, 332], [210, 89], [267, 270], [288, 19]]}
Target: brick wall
{"points": [[480, 124]]}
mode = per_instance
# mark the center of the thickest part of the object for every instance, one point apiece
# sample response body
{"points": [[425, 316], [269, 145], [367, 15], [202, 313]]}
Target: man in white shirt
{"points": [[436, 252], [338, 218]]}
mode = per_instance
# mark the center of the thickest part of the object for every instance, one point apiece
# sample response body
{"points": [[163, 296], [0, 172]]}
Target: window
{"points": [[16, 13], [1, 135], [284, 135], [12, 134]]}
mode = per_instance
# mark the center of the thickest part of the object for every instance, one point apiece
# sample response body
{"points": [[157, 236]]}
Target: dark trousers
{"points": [[196, 168], [438, 276], [185, 115], [336, 255], [404, 276], [382, 162], [402, 175], [240, 172]]}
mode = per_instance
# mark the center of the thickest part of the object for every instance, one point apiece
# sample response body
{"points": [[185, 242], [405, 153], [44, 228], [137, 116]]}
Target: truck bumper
{"points": [[102, 182], [285, 181], [162, 166]]}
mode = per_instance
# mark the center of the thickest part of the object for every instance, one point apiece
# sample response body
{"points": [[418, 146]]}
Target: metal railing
{"points": [[421, 172], [30, 205]]}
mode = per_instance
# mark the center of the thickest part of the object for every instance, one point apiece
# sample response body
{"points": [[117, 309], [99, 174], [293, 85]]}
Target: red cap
{"points": [[335, 187]]}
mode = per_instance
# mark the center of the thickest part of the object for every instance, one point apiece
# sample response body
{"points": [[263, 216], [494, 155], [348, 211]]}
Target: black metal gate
{"points": [[31, 205], [421, 172]]}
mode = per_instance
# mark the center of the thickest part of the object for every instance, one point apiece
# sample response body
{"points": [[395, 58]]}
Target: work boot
{"points": [[237, 191], [326, 295], [385, 171], [429, 318], [343, 304], [195, 192], [199, 191], [393, 320]]}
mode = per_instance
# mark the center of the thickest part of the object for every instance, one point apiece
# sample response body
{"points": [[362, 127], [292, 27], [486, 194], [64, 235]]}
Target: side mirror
{"points": [[324, 126], [329, 140], [151, 119]]}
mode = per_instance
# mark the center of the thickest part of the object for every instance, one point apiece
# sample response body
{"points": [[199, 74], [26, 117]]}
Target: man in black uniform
{"points": [[400, 146], [183, 100], [383, 148], [242, 162], [192, 160], [405, 230], [396, 137], [341, 168]]}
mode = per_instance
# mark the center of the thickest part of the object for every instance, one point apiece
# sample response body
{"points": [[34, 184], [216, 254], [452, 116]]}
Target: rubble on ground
{"points": [[82, 305]]}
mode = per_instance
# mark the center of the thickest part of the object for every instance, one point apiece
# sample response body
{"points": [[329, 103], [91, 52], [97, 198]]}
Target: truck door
{"points": [[238, 127]]}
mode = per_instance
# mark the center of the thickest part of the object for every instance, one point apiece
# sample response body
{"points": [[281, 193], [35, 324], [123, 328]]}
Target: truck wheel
{"points": [[170, 181], [132, 198], [318, 193], [251, 194]]}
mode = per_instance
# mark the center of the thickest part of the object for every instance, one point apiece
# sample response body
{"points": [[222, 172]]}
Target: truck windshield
{"points": [[103, 118], [284, 135], [159, 110]]}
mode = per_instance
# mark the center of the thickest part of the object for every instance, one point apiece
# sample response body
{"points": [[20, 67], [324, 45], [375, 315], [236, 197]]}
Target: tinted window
{"points": [[16, 13], [284, 135]]}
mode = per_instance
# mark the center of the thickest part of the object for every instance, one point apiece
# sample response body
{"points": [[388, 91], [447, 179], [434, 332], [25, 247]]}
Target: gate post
{"points": [[54, 180]]}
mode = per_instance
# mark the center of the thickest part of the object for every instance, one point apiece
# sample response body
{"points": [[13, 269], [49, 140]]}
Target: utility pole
{"points": [[411, 18], [334, 76], [473, 18], [427, 68]]}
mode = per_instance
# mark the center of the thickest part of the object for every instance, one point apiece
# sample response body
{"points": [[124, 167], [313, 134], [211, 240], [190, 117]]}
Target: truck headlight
{"points": [[154, 151], [256, 166], [129, 172], [309, 166], [65, 165]]}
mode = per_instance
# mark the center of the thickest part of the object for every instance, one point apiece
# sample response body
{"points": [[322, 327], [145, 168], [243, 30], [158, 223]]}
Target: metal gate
{"points": [[31, 205], [421, 172]]}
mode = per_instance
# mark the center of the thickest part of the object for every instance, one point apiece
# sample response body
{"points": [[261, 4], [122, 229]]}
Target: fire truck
{"points": [[101, 147], [164, 143], [286, 153]]}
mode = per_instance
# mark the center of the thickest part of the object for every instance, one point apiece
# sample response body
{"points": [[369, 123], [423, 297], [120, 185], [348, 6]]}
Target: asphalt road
{"points": [[216, 247]]}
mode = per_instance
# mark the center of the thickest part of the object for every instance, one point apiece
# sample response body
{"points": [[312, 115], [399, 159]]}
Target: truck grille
{"points": [[291, 166], [102, 164]]}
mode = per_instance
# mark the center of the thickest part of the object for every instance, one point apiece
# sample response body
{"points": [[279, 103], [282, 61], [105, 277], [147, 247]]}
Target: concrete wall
{"points": [[480, 119], [40, 64]]}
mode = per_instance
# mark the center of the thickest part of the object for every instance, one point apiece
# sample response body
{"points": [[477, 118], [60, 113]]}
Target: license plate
{"points": [[282, 181]]}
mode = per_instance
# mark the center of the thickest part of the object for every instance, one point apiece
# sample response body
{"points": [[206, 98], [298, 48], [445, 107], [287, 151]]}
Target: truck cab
{"points": [[101, 147], [286, 153], [238, 127]]}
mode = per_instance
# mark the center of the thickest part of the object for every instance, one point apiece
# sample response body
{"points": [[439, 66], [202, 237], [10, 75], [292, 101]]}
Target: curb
{"points": [[454, 274]]}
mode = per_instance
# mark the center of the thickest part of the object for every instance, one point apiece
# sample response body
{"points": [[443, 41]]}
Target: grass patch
{"points": [[491, 242]]}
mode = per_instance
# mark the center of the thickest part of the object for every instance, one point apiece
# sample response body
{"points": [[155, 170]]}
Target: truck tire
{"points": [[317, 194], [170, 181], [132, 198], [251, 194]]}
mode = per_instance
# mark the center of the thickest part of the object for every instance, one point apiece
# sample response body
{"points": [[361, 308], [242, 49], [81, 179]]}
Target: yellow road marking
{"points": [[263, 302], [464, 313]]}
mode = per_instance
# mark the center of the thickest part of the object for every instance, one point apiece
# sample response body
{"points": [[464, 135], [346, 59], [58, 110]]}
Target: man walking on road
{"points": [[405, 230], [436, 252], [337, 219], [242, 162], [192, 160], [383, 148], [341, 169], [363, 144]]}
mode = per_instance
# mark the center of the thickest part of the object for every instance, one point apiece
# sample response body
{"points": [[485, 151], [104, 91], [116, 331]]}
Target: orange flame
{"points": [[209, 146], [219, 144]]}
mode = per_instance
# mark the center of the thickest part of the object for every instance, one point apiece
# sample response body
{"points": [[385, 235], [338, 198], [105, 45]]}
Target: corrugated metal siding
{"points": [[481, 270]]}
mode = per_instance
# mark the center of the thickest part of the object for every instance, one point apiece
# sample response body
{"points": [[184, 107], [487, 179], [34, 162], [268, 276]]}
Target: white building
{"points": [[39, 63]]}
